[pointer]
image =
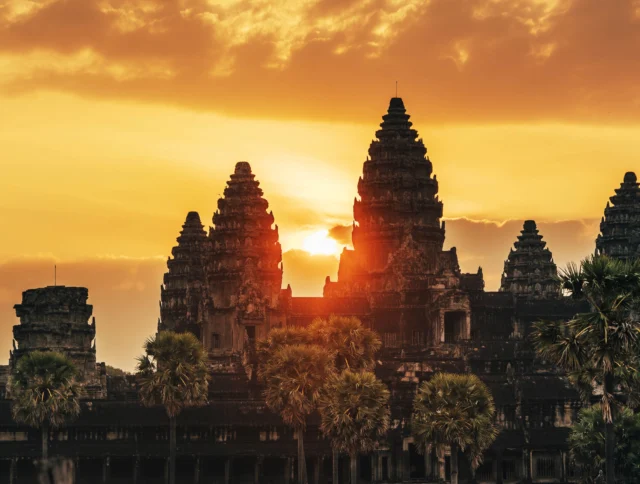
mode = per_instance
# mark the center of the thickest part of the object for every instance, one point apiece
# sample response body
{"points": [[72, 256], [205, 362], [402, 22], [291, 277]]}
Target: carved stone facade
{"points": [[620, 227], [56, 318], [226, 287], [529, 271]]}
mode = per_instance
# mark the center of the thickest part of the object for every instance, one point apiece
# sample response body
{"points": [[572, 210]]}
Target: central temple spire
{"points": [[398, 195]]}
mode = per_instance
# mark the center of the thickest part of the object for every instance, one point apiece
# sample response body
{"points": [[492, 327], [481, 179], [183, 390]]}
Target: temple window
{"points": [[390, 340], [251, 334], [215, 341], [544, 465], [417, 338], [453, 324]]}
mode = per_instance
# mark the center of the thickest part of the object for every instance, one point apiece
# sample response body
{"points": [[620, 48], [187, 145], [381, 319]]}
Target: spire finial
{"points": [[396, 88], [55, 275]]}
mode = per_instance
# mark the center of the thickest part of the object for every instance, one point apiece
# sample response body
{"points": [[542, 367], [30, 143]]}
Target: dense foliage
{"points": [[587, 442], [599, 348], [173, 373], [457, 411], [355, 413]]}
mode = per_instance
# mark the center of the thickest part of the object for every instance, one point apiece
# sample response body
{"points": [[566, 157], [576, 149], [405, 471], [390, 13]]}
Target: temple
{"points": [[225, 286]]}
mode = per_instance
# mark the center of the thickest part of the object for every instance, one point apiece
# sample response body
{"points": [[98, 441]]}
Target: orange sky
{"points": [[117, 117]]}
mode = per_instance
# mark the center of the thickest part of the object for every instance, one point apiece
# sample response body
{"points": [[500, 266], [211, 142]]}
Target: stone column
{"points": [[13, 468], [196, 471], [106, 468], [288, 463], [227, 470], [256, 470], [166, 471], [563, 457], [526, 465], [316, 470], [136, 469], [498, 464]]}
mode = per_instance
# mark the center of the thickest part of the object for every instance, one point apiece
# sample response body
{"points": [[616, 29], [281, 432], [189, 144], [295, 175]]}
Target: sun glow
{"points": [[320, 243]]}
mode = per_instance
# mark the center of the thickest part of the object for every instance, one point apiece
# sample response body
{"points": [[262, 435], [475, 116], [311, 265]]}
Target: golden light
{"points": [[320, 243]]}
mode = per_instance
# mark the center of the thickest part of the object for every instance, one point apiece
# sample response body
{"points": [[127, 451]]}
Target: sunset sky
{"points": [[117, 117]]}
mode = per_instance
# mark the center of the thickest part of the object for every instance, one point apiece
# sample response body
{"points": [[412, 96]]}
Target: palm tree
{"points": [[457, 411], [587, 442], [45, 392], [173, 373], [599, 347], [355, 414], [294, 376], [354, 345]]}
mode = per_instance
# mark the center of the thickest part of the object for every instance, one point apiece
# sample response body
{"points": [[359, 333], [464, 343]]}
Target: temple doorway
{"points": [[454, 322]]}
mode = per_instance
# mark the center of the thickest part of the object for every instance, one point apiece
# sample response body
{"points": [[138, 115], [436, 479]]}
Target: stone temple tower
{"points": [[244, 271], [184, 298], [529, 271], [225, 287], [56, 318], [398, 265], [620, 227]]}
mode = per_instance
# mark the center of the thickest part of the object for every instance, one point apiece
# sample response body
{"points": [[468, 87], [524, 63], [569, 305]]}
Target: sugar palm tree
{"points": [[456, 411], [587, 442], [598, 348], [354, 345], [173, 373], [44, 391], [294, 376], [355, 414]]}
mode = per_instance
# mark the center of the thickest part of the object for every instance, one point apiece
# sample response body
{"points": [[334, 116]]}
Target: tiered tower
{"points": [[398, 264], [398, 194], [184, 298], [620, 226], [244, 270], [529, 271], [56, 318]]}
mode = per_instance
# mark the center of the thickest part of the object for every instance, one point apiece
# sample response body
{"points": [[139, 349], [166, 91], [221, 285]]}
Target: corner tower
{"points": [[620, 227], [184, 300], [529, 271]]}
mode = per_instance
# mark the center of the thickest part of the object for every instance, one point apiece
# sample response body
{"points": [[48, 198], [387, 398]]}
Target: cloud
{"points": [[341, 233], [458, 60]]}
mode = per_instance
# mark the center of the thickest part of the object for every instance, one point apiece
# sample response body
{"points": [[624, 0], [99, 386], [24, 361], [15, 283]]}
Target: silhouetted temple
{"points": [[225, 287], [620, 226], [530, 272]]}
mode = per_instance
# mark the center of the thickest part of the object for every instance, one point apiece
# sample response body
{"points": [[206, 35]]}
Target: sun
{"points": [[319, 243]]}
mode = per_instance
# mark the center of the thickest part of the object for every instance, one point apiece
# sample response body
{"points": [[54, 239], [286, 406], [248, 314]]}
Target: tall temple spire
{"points": [[183, 294], [398, 194], [620, 227], [529, 271]]}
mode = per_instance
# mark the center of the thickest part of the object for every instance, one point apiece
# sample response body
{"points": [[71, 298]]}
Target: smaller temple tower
{"points": [[620, 227], [56, 318], [529, 271], [184, 299]]}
